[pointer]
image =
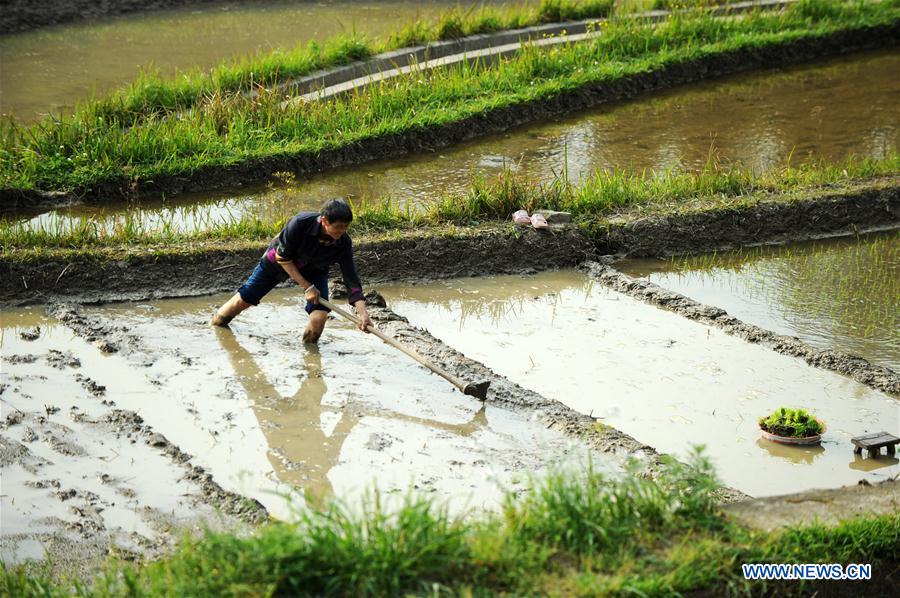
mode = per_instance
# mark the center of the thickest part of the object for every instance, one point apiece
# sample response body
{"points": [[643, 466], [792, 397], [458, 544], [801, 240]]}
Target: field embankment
{"points": [[470, 235]]}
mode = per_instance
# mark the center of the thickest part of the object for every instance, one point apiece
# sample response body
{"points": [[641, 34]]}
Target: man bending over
{"points": [[303, 251]]}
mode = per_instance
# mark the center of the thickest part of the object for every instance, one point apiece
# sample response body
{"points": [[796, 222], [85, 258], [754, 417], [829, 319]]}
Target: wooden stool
{"points": [[874, 442]]}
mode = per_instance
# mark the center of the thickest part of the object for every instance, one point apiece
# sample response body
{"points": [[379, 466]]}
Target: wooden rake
{"points": [[477, 390]]}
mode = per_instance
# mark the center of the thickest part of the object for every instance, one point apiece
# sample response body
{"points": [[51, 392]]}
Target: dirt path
{"points": [[828, 507]]}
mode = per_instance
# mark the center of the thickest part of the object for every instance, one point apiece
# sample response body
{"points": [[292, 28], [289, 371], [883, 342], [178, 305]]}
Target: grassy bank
{"points": [[89, 150], [151, 94], [571, 534], [591, 202]]}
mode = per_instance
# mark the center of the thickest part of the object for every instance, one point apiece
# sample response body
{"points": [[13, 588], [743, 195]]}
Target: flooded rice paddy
{"points": [[826, 111], [665, 380], [51, 69], [267, 417], [841, 294]]}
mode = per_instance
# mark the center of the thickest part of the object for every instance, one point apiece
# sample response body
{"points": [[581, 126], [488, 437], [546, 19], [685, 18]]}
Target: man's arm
{"points": [[311, 292], [364, 320]]}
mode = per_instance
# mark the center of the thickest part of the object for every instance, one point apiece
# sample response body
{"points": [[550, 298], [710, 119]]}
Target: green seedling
{"points": [[791, 423]]}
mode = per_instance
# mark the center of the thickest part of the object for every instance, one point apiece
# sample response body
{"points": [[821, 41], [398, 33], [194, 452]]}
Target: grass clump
{"points": [[791, 423], [91, 149], [571, 533]]}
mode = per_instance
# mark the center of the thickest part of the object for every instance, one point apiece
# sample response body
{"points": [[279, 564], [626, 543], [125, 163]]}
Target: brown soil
{"points": [[828, 507], [92, 279], [434, 138], [25, 15]]}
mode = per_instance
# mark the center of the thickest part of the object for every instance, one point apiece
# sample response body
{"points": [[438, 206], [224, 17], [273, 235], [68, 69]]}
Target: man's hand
{"points": [[364, 321], [312, 294]]}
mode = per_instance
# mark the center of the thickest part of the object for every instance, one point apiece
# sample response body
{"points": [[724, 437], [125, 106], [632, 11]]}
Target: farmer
{"points": [[303, 250]]}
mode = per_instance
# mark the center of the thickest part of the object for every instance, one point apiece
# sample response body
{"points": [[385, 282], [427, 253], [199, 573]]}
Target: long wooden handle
{"points": [[462, 386]]}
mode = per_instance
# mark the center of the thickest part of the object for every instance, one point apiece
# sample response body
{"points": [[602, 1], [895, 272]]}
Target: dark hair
{"points": [[337, 210]]}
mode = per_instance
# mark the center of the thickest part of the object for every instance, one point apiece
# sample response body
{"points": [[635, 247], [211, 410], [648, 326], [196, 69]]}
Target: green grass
{"points": [[571, 534], [591, 201], [89, 149]]}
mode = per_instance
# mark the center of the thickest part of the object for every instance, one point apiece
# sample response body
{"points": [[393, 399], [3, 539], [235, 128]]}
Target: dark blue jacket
{"points": [[303, 241]]}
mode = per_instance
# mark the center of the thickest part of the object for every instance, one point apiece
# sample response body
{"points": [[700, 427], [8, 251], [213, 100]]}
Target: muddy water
{"points": [[841, 294], [267, 417], [74, 481], [828, 111], [51, 69], [663, 379]]}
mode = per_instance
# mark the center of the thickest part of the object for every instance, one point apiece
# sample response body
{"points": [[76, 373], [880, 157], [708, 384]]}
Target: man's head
{"points": [[336, 217]]}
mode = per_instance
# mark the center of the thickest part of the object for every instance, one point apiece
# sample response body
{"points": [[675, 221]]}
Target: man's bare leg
{"points": [[229, 310], [315, 326]]}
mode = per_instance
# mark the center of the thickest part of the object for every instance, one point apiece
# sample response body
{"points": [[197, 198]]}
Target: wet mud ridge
{"points": [[827, 211], [828, 507], [112, 477], [861, 370]]}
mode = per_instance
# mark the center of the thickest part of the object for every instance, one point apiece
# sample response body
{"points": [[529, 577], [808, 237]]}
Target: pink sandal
{"points": [[538, 221], [521, 217]]}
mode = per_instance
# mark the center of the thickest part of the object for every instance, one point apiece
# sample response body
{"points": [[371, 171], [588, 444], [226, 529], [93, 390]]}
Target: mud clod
{"points": [[64, 447], [98, 390], [65, 495], [14, 418], [19, 359], [43, 484], [375, 299], [379, 442], [90, 329], [31, 334], [61, 360], [12, 451], [158, 440]]}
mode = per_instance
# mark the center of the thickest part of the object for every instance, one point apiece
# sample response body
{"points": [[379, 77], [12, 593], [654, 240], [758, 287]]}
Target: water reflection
{"points": [[305, 437], [300, 450], [861, 463], [668, 381], [841, 294], [794, 454]]}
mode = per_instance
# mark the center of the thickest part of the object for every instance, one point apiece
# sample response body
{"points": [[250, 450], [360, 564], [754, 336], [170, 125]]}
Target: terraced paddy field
{"points": [[144, 452], [49, 70], [835, 294], [104, 419], [664, 380], [826, 111]]}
